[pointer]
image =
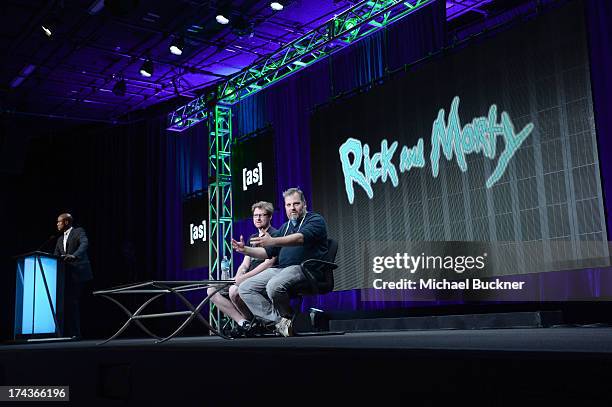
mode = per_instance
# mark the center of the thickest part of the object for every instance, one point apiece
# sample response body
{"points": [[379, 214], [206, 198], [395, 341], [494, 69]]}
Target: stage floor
{"points": [[494, 367], [578, 339]]}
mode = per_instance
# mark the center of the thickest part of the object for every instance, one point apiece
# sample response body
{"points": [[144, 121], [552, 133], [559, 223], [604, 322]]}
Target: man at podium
{"points": [[72, 247]]}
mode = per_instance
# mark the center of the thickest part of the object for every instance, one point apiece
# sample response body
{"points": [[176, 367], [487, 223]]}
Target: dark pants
{"points": [[72, 315]]}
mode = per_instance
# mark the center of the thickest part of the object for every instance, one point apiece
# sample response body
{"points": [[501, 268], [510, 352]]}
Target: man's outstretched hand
{"points": [[262, 241], [238, 246]]}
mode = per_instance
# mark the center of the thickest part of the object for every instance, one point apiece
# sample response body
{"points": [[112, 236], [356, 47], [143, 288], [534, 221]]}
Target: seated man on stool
{"points": [[303, 237], [233, 306]]}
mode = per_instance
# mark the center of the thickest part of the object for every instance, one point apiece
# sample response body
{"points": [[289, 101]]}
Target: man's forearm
{"points": [[241, 270], [258, 252], [294, 239], [265, 265]]}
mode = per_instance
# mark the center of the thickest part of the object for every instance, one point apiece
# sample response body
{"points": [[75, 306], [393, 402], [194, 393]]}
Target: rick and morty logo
{"points": [[448, 138]]}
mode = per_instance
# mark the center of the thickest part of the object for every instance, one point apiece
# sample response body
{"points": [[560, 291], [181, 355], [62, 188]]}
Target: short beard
{"points": [[298, 215]]}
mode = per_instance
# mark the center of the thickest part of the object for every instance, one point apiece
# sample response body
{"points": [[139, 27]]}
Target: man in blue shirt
{"points": [[303, 237]]}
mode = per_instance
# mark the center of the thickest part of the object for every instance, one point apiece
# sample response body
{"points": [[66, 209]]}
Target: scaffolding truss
{"points": [[219, 197], [189, 115], [358, 22]]}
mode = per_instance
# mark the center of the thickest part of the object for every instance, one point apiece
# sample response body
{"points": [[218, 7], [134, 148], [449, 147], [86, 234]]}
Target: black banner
{"points": [[493, 142], [195, 231], [253, 173]]}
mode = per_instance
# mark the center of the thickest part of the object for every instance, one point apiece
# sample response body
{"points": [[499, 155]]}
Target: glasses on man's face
{"points": [[259, 215]]}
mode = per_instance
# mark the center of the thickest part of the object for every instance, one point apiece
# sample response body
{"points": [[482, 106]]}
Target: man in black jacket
{"points": [[233, 306], [72, 247]]}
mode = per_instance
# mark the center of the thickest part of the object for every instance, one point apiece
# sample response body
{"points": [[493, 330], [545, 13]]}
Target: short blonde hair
{"points": [[263, 205]]}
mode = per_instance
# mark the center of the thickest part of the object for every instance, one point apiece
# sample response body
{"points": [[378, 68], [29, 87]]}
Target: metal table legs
{"points": [[159, 289]]}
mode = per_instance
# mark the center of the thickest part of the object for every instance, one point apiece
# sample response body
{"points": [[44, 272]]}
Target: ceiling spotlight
{"points": [[177, 45], [276, 6], [120, 87], [221, 18], [146, 69], [95, 7], [49, 27]]}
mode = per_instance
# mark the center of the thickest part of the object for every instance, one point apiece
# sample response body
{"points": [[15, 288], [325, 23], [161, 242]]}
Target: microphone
{"points": [[52, 237]]}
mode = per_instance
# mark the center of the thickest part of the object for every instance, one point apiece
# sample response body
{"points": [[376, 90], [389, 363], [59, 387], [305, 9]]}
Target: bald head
{"points": [[64, 222]]}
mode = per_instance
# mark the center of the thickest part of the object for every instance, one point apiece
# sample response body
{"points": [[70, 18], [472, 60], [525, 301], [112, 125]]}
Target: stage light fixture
{"points": [[222, 19], [276, 6], [177, 45], [95, 7], [49, 27], [120, 87], [146, 69]]}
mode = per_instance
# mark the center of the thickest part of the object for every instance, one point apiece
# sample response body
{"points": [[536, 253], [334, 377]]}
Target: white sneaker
{"points": [[284, 327]]}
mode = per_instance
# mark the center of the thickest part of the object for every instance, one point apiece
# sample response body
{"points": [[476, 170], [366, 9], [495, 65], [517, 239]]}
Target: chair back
{"points": [[327, 284]]}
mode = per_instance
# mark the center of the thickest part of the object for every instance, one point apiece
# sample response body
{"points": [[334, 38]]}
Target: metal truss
{"points": [[352, 25], [219, 197], [456, 8], [190, 114]]}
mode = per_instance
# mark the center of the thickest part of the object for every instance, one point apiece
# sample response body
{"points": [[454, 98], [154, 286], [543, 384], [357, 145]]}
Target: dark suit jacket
{"points": [[77, 246]]}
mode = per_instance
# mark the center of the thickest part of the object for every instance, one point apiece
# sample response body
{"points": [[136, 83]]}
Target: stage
{"points": [[446, 159], [493, 366]]}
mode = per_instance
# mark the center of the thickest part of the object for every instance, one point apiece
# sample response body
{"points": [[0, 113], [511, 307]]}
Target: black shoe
{"points": [[256, 329], [241, 331], [227, 331]]}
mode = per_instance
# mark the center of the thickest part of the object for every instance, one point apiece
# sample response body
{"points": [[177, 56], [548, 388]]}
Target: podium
{"points": [[39, 296]]}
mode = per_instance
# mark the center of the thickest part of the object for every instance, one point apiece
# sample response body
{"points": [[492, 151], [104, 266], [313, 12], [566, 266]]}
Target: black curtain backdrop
{"points": [[123, 184]]}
